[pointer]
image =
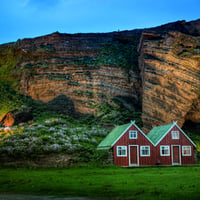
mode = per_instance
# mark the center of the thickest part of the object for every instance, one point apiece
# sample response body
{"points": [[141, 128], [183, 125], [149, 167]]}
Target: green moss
{"points": [[120, 54], [117, 113], [9, 99], [9, 57]]}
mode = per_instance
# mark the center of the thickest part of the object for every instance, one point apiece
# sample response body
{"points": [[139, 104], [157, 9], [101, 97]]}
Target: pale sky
{"points": [[31, 18]]}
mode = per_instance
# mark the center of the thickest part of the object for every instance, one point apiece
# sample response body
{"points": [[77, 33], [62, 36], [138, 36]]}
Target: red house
{"points": [[165, 145], [172, 145], [129, 146]]}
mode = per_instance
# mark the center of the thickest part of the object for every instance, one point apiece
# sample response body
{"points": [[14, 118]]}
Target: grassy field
{"points": [[105, 183]]}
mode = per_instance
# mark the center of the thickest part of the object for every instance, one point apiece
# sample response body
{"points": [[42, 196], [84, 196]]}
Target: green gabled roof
{"points": [[158, 132], [112, 137]]}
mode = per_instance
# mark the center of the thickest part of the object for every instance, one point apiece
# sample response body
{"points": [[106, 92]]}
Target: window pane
{"points": [[133, 134], [186, 150], [145, 150], [175, 135], [121, 151], [164, 150]]}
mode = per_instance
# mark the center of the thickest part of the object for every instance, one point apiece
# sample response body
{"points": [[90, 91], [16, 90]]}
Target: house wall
{"points": [[182, 141], [140, 141]]}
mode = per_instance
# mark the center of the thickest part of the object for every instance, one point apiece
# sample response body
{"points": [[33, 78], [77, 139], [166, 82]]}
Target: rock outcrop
{"points": [[170, 71], [16, 117], [92, 69], [83, 67]]}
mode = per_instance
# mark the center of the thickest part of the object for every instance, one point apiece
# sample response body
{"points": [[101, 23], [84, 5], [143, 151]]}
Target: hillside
{"points": [[154, 72]]}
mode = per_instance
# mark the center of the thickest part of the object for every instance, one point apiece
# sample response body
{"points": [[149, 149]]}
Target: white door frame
{"points": [[137, 164], [172, 154]]}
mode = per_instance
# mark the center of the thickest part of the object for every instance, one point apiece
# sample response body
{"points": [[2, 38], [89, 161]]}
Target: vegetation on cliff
{"points": [[96, 80]]}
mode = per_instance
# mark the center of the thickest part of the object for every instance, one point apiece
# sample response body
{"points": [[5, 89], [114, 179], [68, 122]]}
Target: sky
{"points": [[31, 18]]}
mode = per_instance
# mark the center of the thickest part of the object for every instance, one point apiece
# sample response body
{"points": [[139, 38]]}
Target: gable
{"points": [[181, 131], [113, 136], [117, 133], [157, 134]]}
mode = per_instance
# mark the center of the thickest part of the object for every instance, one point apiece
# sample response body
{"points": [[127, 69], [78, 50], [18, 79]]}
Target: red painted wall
{"points": [[182, 141], [140, 141]]}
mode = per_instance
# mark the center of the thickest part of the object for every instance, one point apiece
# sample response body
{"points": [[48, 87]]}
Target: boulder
{"points": [[17, 116]]}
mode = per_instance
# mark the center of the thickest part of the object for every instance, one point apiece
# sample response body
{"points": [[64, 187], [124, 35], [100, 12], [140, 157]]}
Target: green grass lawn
{"points": [[104, 183]]}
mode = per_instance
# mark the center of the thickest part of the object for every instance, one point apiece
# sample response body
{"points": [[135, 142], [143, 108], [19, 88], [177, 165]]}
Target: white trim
{"points": [[133, 132], [175, 124], [125, 148], [161, 154], [164, 135], [174, 134], [121, 135], [136, 164], [143, 155], [185, 135], [173, 155], [186, 147], [132, 123]]}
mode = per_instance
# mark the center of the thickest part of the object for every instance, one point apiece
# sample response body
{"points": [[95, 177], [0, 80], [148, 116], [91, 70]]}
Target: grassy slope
{"points": [[9, 99], [9, 56], [123, 183]]}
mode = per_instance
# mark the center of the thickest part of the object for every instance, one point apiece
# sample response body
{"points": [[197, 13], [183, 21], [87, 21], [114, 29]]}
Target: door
{"points": [[133, 155], [176, 158]]}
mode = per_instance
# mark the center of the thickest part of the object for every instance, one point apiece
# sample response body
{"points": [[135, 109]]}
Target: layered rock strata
{"points": [[170, 71], [79, 67], [91, 69]]}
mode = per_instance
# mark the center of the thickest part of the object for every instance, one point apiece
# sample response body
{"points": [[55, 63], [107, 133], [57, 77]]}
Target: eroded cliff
{"points": [[170, 71], [89, 70]]}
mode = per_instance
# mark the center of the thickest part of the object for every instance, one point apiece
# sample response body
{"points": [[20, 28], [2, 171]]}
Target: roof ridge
{"points": [[158, 132]]}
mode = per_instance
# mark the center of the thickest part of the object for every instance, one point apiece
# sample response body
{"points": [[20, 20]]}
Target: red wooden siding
{"points": [[133, 145], [175, 149]]}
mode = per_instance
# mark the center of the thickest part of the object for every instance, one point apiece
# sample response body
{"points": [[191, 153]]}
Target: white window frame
{"points": [[167, 147], [123, 148], [143, 148], [174, 134], [190, 154], [134, 132]]}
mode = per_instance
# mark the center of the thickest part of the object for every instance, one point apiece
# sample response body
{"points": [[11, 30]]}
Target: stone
{"points": [[16, 117]]}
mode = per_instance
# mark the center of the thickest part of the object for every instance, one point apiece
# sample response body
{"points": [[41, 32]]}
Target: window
{"points": [[133, 134], [175, 135], [186, 150], [145, 150], [121, 151], [164, 151]]}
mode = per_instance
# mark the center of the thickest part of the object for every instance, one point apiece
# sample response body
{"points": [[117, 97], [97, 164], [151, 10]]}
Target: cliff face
{"points": [[170, 71], [88, 69], [92, 69]]}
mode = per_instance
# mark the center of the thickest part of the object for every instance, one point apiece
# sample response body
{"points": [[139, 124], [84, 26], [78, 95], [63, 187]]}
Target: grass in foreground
{"points": [[119, 183]]}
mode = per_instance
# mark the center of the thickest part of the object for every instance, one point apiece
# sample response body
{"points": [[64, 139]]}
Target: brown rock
{"points": [[16, 117], [91, 69], [170, 69]]}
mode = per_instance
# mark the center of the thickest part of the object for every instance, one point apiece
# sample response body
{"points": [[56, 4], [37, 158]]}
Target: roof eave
{"points": [[164, 135], [104, 148], [186, 135], [121, 135]]}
